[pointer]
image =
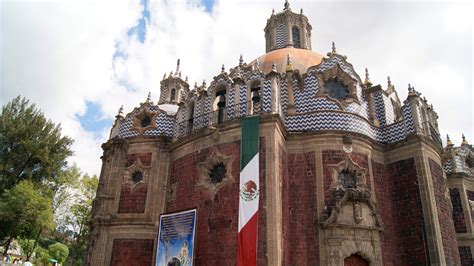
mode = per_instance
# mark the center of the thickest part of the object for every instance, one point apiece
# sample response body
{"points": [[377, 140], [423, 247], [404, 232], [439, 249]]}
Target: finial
{"points": [[287, 5], [448, 141], [120, 112], [389, 83], [464, 141], [195, 84], [273, 11], [289, 67], [301, 11], [177, 66], [334, 48], [256, 65], [148, 98], [179, 74], [164, 75], [203, 83], [409, 87], [241, 60], [222, 68], [424, 99], [186, 79], [274, 68], [367, 79], [171, 73]]}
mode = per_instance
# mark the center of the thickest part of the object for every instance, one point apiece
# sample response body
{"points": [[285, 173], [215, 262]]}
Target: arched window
{"points": [[295, 32], [220, 104], [190, 124], [255, 97], [173, 95]]}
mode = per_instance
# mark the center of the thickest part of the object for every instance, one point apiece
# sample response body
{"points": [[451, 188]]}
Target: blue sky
{"points": [[93, 120]]}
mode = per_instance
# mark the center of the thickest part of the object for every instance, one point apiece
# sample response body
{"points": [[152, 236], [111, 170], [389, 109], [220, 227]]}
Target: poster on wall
{"points": [[176, 239]]}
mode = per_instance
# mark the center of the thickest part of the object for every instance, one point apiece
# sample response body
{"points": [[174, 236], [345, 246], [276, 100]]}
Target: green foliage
{"points": [[79, 215], [58, 251], [31, 147], [24, 212], [42, 255], [27, 246]]}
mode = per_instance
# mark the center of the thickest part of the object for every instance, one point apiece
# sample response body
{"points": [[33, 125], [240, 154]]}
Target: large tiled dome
{"points": [[301, 59]]}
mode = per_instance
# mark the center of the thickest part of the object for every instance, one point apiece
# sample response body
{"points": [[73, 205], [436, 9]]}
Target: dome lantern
{"points": [[287, 29]]}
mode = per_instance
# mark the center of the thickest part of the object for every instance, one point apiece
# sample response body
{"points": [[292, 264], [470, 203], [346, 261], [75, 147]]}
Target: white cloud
{"points": [[60, 54]]}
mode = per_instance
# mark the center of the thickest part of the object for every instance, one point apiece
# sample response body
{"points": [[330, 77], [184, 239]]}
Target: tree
{"points": [[31, 147], [65, 193], [80, 213], [27, 246], [58, 252], [24, 212], [42, 255]]}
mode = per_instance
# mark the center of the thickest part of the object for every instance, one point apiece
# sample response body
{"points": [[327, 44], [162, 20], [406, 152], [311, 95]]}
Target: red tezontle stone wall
{"points": [[445, 215], [217, 217], [133, 198], [383, 194], [300, 239], [407, 213], [132, 252], [458, 211]]}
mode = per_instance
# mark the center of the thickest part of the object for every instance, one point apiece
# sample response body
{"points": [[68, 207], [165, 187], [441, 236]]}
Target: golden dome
{"points": [[301, 59]]}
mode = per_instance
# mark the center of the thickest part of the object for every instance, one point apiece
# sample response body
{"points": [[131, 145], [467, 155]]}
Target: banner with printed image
{"points": [[175, 245]]}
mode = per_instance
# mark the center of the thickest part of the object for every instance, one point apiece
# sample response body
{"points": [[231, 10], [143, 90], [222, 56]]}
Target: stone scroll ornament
{"points": [[349, 188]]}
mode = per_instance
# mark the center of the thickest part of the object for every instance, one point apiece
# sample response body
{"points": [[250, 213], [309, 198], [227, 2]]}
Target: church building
{"points": [[349, 174]]}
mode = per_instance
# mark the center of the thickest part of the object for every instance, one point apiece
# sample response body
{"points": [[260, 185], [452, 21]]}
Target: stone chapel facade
{"points": [[348, 172]]}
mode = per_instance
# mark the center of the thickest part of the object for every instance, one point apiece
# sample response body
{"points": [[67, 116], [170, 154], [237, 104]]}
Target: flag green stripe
{"points": [[249, 142]]}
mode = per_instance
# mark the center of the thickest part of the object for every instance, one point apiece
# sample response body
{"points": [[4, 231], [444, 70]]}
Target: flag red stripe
{"points": [[247, 243]]}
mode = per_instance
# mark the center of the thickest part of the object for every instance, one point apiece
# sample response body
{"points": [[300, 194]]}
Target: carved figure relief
{"points": [[352, 197]]}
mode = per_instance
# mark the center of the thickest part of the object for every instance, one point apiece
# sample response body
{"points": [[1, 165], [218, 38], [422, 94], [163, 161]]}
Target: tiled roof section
{"points": [[313, 113]]}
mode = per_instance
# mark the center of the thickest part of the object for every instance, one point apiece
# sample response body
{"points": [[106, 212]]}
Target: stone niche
{"points": [[352, 225]]}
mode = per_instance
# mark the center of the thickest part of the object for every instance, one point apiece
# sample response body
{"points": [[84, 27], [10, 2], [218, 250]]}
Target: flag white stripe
{"points": [[248, 208]]}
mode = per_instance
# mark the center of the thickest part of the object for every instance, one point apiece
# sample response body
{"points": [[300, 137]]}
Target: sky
{"points": [[80, 60]]}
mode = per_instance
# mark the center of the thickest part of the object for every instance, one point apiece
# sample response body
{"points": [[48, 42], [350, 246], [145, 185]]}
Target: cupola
{"points": [[173, 88], [287, 29]]}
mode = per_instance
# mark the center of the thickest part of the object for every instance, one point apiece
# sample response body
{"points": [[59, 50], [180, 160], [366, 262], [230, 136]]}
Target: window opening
{"points": [[173, 95], [218, 173], [146, 121], [137, 176], [296, 37]]}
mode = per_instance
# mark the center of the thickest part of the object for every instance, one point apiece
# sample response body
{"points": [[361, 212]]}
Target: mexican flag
{"points": [[249, 192]]}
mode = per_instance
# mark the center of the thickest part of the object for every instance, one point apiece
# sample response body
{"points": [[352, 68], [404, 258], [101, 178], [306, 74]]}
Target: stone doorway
{"points": [[355, 260]]}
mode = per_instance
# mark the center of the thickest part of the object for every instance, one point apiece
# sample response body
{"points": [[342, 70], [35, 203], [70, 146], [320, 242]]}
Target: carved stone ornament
{"points": [[216, 171], [136, 173], [338, 76], [354, 205], [144, 121]]}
